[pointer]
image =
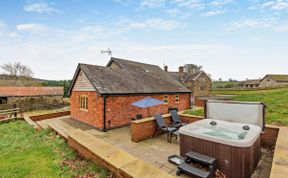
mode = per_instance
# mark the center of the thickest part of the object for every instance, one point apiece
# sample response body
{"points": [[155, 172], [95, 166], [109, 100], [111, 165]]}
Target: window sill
{"points": [[85, 110]]}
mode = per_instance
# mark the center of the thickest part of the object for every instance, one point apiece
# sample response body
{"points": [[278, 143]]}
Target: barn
{"points": [[103, 96], [28, 98]]}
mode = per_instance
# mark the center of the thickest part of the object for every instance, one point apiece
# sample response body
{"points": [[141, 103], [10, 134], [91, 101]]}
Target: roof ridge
{"points": [[127, 60]]}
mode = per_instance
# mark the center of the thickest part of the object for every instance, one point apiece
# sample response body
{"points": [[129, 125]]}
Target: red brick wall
{"points": [[94, 115], [119, 109], [143, 129], [199, 102]]}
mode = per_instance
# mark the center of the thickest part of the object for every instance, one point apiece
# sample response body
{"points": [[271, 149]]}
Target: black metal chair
{"points": [[164, 128], [176, 122]]}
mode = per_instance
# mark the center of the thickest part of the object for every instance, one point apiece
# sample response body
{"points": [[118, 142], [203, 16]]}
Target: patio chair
{"points": [[170, 131], [176, 122]]}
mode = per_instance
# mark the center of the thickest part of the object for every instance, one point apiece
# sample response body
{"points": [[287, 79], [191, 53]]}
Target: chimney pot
{"points": [[166, 68]]}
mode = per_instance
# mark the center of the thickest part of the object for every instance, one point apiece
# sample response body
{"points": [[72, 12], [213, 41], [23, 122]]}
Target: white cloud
{"points": [[40, 7], [275, 5], [281, 28], [280, 5], [194, 4], [155, 24], [2, 25], [212, 13], [220, 3], [152, 3], [32, 27], [92, 32], [123, 2], [173, 12], [252, 23]]}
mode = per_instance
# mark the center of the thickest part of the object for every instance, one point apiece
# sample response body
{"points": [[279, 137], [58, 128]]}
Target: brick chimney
{"points": [[181, 69], [166, 68]]}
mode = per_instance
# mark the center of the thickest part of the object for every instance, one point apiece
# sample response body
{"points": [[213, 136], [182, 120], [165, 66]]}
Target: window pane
{"points": [[86, 104]]}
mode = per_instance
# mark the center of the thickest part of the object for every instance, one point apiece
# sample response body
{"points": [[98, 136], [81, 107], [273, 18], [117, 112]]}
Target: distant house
{"points": [[199, 83], [272, 80], [103, 96], [269, 80], [249, 84], [27, 97]]}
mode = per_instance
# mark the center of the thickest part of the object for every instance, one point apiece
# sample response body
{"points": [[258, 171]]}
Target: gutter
{"points": [[104, 114]]}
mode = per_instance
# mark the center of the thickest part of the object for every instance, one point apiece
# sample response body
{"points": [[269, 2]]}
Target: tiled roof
{"points": [[129, 77], [185, 76], [250, 82], [277, 77], [31, 91]]}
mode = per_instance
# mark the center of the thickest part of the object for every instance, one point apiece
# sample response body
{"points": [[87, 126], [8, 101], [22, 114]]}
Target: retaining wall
{"points": [[49, 116]]}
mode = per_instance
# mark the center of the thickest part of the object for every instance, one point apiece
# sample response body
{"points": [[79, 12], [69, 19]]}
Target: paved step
{"points": [[30, 122], [61, 127]]}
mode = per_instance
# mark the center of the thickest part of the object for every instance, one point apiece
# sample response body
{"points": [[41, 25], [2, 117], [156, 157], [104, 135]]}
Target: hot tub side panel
{"points": [[232, 161]]}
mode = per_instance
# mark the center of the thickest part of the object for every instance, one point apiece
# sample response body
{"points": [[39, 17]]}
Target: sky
{"points": [[229, 38]]}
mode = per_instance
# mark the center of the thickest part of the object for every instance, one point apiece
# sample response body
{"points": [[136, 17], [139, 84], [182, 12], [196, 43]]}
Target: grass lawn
{"points": [[276, 101], [25, 152], [196, 111]]}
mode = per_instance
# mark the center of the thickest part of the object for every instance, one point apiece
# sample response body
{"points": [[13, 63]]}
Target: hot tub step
{"points": [[193, 171], [200, 158]]}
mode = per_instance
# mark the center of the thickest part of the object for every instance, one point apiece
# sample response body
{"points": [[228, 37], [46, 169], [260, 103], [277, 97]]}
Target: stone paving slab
{"points": [[138, 169], [115, 159], [280, 160]]}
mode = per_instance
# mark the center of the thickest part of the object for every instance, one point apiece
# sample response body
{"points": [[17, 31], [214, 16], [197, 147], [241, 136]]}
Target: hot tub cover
{"points": [[233, 111]]}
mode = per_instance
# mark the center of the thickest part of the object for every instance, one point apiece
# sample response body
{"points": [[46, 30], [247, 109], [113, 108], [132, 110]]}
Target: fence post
{"points": [[15, 112]]}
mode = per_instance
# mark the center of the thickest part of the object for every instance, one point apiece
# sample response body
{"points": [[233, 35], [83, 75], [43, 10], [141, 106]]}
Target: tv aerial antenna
{"points": [[108, 52]]}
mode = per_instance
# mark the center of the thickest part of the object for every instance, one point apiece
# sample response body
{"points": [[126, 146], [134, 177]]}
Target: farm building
{"points": [[270, 80], [199, 83], [249, 84], [103, 96], [28, 98]]}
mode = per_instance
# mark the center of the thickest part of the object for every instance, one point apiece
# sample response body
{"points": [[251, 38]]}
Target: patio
{"points": [[154, 151]]}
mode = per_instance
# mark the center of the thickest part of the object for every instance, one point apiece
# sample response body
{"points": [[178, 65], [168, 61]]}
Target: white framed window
{"points": [[84, 102]]}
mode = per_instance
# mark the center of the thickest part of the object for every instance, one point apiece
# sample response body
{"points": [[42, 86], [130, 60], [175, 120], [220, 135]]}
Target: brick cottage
{"points": [[103, 96]]}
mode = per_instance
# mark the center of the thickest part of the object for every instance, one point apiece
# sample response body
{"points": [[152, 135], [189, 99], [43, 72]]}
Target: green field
{"points": [[275, 99], [25, 152], [223, 84]]}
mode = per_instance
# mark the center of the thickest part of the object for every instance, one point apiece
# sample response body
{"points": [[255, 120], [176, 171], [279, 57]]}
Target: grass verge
{"points": [[27, 153]]}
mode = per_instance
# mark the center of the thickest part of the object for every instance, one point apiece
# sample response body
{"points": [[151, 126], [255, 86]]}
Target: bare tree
{"points": [[17, 70], [192, 68]]}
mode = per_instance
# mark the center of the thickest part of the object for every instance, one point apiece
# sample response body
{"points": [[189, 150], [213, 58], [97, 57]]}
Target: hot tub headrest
{"points": [[243, 112]]}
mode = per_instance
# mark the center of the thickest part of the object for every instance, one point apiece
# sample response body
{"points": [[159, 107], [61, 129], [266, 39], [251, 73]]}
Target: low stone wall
{"points": [[49, 116], [33, 102], [145, 128]]}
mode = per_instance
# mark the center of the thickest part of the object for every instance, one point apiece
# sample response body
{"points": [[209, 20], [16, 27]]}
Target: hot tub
{"points": [[234, 143]]}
